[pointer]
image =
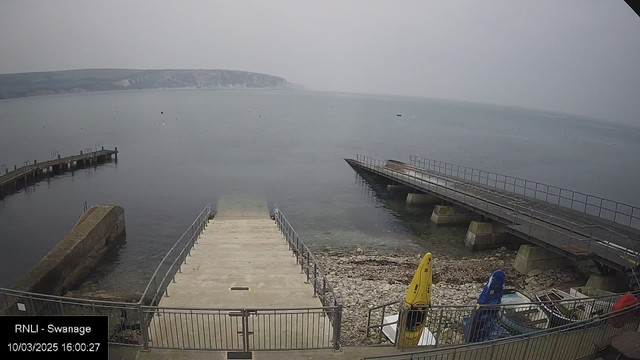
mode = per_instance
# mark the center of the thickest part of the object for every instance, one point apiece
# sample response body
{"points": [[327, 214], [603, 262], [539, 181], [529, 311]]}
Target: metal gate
{"points": [[241, 329]]}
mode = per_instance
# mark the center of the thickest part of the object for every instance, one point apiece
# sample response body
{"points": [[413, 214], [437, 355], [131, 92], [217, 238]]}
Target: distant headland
{"points": [[74, 81]]}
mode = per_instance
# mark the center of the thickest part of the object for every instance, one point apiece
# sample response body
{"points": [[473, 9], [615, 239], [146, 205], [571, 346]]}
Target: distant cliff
{"points": [[72, 81]]}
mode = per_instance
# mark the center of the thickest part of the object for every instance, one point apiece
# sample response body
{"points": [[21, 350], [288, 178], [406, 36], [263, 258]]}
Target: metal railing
{"points": [[446, 323], [309, 266], [202, 328], [55, 159], [566, 233], [124, 318], [313, 271], [242, 329], [191, 328], [172, 262], [577, 234], [571, 341], [377, 314], [612, 210]]}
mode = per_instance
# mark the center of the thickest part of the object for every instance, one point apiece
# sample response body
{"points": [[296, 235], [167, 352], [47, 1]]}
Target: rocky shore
{"points": [[365, 280]]}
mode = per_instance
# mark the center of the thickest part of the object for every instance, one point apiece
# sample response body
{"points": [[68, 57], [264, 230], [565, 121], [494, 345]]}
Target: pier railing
{"points": [[192, 328], [173, 260], [612, 210], [242, 329], [454, 324], [567, 234], [233, 329], [574, 340], [124, 318], [313, 271], [309, 266]]}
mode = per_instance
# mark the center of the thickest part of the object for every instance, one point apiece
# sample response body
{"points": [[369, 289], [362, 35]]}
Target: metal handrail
{"points": [[578, 327], [516, 202], [575, 229], [194, 231], [238, 309], [475, 175], [27, 165], [633, 250], [321, 290], [300, 249], [382, 323], [480, 307], [66, 299], [381, 164]]}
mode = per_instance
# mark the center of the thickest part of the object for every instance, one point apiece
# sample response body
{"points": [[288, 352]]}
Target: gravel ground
{"points": [[365, 280]]}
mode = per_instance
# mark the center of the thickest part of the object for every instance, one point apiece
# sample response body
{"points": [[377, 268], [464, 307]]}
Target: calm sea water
{"points": [[285, 147]]}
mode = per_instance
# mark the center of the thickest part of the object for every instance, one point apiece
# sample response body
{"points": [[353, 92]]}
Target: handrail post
{"points": [[315, 277], [308, 261], [324, 289], [337, 327], [606, 252], [384, 308], [143, 329], [400, 328], [571, 232], [245, 330]]}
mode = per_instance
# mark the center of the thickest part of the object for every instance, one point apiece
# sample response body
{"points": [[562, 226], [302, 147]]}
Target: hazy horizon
{"points": [[575, 57]]}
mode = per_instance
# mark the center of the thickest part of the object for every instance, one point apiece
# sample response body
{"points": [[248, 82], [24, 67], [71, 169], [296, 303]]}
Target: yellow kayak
{"points": [[417, 300]]}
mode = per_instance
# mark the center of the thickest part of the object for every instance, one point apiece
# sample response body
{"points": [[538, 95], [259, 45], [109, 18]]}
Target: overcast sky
{"points": [[575, 56]]}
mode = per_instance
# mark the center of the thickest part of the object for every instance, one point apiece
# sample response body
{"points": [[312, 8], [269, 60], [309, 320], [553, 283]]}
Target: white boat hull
{"points": [[426, 338]]}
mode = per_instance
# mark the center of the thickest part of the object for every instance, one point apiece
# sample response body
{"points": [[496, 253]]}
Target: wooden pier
{"points": [[32, 172]]}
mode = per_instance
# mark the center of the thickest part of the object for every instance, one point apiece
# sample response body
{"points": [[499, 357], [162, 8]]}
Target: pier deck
{"points": [[573, 234], [241, 280], [33, 172]]}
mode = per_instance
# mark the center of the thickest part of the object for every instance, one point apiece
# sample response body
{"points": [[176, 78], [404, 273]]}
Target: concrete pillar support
{"points": [[487, 235], [443, 214], [610, 283], [531, 257], [414, 199], [398, 190]]}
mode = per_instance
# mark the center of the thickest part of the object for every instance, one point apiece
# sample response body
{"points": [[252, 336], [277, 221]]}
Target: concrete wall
{"points": [[73, 258]]}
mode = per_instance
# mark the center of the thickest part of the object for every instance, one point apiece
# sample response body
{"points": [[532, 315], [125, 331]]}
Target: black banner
{"points": [[60, 337]]}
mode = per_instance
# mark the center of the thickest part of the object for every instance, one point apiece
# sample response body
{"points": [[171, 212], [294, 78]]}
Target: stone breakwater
{"points": [[365, 280]]}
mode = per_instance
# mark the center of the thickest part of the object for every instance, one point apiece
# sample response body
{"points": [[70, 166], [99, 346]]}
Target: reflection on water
{"points": [[214, 144], [413, 222]]}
